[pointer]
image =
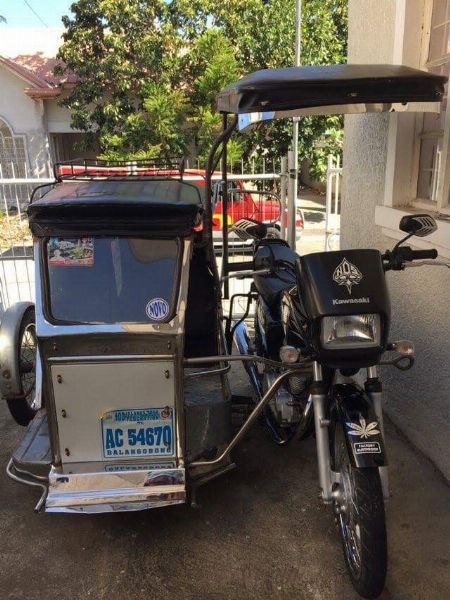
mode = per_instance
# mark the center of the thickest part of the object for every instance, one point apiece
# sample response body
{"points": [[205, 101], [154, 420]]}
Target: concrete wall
{"points": [[417, 400], [58, 117], [26, 117]]}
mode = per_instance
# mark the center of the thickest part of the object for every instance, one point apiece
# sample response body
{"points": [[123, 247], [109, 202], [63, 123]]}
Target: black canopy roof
{"points": [[123, 207], [304, 87]]}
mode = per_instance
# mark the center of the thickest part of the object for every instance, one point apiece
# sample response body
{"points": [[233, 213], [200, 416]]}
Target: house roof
{"points": [[37, 70]]}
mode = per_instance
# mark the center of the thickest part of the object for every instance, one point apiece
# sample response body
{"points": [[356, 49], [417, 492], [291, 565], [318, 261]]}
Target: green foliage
{"points": [[149, 70]]}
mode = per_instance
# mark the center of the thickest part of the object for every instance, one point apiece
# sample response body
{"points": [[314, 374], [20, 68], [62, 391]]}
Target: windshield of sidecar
{"points": [[107, 280]]}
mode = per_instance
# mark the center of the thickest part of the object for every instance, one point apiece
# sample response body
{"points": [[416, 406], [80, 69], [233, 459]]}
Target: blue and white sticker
{"points": [[157, 309]]}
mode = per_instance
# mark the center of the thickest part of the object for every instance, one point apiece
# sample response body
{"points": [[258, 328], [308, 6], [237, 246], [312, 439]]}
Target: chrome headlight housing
{"points": [[351, 332]]}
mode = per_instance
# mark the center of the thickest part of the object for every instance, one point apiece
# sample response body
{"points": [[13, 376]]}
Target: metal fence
{"points": [[333, 203], [16, 254], [16, 249]]}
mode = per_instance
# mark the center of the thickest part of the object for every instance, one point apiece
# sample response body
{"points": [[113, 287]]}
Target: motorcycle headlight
{"points": [[351, 331]]}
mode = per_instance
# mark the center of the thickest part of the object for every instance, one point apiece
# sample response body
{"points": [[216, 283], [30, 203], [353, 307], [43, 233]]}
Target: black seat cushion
{"points": [[269, 287]]}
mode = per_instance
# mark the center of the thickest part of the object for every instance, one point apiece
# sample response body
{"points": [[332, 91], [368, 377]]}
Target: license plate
{"points": [[137, 433]]}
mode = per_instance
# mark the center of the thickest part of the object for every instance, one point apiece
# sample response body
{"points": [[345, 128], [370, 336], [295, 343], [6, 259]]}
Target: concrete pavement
{"points": [[261, 532]]}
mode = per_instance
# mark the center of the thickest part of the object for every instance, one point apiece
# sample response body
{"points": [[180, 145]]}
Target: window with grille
{"points": [[12, 166], [432, 182]]}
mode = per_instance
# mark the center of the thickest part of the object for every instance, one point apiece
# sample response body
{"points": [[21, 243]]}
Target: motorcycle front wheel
{"points": [[359, 510]]}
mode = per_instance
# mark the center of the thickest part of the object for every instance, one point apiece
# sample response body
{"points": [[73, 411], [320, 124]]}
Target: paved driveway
{"points": [[261, 532]]}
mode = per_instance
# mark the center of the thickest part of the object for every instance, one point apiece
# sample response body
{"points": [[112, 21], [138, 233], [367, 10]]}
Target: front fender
{"points": [[10, 383], [362, 429]]}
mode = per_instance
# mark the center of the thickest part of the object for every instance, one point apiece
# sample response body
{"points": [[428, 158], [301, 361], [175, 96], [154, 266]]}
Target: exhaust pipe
{"points": [[243, 343]]}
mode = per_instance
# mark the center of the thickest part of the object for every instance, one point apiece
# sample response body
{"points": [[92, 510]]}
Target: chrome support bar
{"points": [[321, 424], [372, 372], [308, 407], [251, 419], [219, 371], [303, 366], [317, 371], [322, 445], [38, 484]]}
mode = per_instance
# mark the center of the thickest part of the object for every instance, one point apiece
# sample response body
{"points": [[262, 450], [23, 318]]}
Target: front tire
{"points": [[359, 509]]}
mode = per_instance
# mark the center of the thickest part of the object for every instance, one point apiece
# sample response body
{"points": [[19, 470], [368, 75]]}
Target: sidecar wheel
{"points": [[359, 509], [21, 408]]}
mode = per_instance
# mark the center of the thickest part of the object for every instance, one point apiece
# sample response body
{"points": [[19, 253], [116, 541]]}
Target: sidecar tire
{"points": [[21, 411]]}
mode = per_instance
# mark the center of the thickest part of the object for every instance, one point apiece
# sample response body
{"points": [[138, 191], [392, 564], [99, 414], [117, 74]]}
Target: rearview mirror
{"points": [[249, 228], [419, 225]]}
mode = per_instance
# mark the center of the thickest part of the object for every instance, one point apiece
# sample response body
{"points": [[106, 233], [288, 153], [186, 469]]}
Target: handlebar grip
{"points": [[423, 254]]}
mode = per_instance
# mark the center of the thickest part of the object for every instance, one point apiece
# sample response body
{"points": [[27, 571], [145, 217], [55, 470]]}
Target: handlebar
{"points": [[395, 259], [408, 254]]}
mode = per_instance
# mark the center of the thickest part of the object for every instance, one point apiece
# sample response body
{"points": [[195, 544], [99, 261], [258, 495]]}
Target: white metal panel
{"points": [[84, 392]]}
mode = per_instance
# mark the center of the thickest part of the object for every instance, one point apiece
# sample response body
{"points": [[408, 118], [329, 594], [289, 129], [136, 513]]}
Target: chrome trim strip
{"points": [[110, 357], [124, 506]]}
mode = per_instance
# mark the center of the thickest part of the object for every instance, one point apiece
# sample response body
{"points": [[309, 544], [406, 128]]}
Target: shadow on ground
{"points": [[261, 532]]}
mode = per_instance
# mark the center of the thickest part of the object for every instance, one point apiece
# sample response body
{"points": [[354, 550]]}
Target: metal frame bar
{"points": [[210, 167], [251, 419], [225, 253], [10, 468]]}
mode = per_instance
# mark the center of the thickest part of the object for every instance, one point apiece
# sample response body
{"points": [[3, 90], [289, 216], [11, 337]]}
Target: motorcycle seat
{"points": [[271, 287]]}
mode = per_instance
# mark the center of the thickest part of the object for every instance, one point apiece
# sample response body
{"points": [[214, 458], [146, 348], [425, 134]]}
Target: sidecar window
{"points": [[112, 280]]}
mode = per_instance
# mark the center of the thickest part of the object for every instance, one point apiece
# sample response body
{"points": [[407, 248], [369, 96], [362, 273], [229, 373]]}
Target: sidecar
{"points": [[124, 295]]}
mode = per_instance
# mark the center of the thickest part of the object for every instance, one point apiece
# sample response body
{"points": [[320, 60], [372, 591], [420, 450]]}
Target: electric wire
{"points": [[35, 13]]}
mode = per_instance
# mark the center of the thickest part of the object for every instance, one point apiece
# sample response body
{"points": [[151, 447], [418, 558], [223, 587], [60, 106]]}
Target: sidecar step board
{"points": [[32, 455], [114, 491]]}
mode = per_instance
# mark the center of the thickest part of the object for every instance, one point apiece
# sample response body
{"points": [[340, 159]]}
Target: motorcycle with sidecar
{"points": [[120, 369]]}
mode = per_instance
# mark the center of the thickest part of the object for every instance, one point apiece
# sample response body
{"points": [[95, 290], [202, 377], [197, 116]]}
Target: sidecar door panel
{"points": [[120, 410]]}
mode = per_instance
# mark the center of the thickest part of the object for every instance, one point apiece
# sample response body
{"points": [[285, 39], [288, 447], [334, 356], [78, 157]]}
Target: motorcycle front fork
{"points": [[327, 477]]}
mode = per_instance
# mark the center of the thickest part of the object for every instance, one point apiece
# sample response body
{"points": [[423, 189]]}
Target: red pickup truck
{"points": [[244, 202]]}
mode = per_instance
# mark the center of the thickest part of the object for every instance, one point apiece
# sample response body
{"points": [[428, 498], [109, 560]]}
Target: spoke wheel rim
{"points": [[346, 508], [27, 362]]}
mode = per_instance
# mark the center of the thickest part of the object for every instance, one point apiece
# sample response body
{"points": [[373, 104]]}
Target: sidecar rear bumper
{"points": [[122, 490]]}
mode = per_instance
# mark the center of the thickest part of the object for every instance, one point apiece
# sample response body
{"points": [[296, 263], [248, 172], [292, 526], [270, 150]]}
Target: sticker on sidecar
{"points": [[157, 309], [70, 252], [139, 432], [367, 448]]}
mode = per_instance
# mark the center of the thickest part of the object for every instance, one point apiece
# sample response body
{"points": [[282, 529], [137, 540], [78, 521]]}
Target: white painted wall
{"points": [[417, 400], [26, 117], [58, 117]]}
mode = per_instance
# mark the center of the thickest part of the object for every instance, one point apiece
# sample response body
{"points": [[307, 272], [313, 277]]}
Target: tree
{"points": [[263, 35], [149, 70]]}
